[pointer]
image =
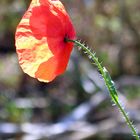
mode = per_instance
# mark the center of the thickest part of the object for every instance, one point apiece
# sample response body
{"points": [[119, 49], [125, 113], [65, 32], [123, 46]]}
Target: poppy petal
{"points": [[40, 45]]}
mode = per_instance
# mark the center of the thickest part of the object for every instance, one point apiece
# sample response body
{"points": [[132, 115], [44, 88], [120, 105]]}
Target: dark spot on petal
{"points": [[65, 38]]}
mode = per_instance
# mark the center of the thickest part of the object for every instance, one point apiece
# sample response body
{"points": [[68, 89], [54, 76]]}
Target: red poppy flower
{"points": [[42, 50]]}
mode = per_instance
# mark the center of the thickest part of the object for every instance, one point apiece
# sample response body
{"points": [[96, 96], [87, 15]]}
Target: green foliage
{"points": [[110, 84], [11, 112], [10, 14], [15, 113], [132, 92]]}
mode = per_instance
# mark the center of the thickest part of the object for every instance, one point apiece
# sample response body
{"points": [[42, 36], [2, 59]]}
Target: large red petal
{"points": [[40, 35]]}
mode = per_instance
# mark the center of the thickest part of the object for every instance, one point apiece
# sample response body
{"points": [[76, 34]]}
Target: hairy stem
{"points": [[109, 83]]}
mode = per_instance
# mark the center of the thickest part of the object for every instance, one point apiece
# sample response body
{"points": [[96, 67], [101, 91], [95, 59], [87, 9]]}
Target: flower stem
{"points": [[109, 83]]}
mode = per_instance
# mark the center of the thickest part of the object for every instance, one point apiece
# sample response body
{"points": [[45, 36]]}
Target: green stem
{"points": [[109, 83]]}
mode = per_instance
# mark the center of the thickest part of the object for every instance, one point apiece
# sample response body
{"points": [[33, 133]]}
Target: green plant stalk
{"points": [[109, 83]]}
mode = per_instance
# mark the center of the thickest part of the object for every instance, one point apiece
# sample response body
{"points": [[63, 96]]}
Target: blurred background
{"points": [[76, 105]]}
